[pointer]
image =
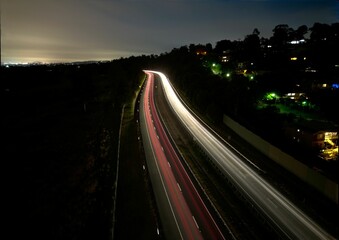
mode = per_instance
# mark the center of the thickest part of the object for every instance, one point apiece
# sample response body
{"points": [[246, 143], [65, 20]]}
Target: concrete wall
{"points": [[324, 185]]}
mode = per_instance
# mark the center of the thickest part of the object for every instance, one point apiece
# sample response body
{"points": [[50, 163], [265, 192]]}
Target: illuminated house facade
{"points": [[317, 136]]}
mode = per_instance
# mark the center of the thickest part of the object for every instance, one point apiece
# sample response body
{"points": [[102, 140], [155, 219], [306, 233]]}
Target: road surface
{"points": [[284, 216], [182, 211]]}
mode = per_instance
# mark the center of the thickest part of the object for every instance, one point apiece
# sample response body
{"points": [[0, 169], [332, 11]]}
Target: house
{"points": [[319, 136]]}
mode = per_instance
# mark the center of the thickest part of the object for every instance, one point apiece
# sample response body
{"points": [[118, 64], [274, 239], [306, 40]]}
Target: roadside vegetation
{"points": [[60, 130]]}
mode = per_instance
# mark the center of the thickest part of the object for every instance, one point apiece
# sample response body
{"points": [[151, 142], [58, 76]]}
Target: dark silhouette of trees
{"points": [[223, 45], [252, 48], [280, 36], [68, 177], [323, 45], [320, 32], [300, 32]]}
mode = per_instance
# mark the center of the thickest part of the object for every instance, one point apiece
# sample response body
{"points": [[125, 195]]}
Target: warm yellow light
{"points": [[294, 58]]}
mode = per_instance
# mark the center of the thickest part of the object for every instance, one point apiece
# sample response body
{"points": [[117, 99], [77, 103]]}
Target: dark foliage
{"points": [[60, 130]]}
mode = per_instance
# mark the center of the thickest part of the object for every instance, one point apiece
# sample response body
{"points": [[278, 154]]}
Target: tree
{"points": [[280, 35], [223, 45], [301, 31], [324, 48], [256, 32], [320, 32], [252, 46]]}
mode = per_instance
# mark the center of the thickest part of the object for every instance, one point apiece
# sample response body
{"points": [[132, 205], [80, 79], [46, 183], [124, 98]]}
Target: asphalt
{"points": [[303, 196]]}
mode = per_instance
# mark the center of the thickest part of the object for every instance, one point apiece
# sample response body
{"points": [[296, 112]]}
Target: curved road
{"points": [[182, 211], [286, 218]]}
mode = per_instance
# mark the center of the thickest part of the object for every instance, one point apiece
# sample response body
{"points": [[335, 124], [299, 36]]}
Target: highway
{"points": [[283, 215], [182, 211]]}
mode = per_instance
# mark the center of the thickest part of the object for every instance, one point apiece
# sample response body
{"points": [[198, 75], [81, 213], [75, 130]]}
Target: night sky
{"points": [[80, 30]]}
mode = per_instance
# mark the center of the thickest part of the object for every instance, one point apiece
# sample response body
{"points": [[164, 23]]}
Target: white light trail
{"points": [[283, 214]]}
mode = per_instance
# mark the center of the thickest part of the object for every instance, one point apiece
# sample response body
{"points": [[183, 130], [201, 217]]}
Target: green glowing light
{"points": [[271, 96]]}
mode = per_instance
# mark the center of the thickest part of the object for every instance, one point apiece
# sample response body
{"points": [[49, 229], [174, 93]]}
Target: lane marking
{"points": [[179, 187], [196, 224]]}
